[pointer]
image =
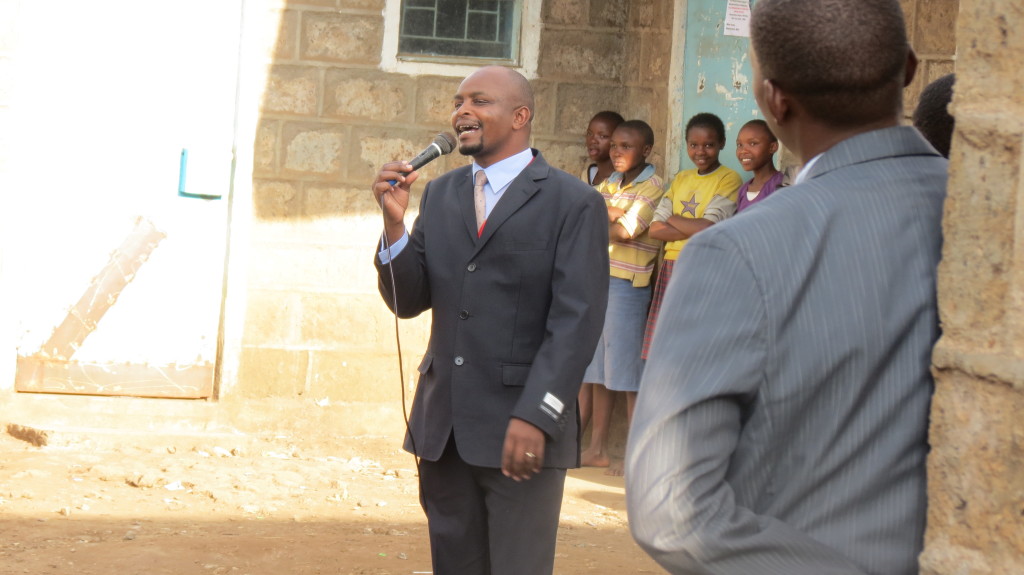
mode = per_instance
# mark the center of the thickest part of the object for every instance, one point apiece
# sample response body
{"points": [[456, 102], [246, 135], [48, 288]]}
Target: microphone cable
{"points": [[398, 346], [444, 143]]}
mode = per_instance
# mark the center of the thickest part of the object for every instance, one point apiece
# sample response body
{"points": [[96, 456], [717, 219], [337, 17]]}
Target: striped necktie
{"points": [[479, 201]]}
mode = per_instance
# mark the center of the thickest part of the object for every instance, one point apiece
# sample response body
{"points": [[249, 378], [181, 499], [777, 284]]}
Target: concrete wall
{"points": [[596, 55], [314, 324], [931, 28], [976, 467]]}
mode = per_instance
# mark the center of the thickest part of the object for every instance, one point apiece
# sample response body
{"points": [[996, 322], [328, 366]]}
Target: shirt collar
{"points": [[802, 174], [645, 174], [501, 173]]}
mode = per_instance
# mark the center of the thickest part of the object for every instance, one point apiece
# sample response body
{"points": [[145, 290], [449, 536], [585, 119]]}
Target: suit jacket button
{"points": [[463, 314], [459, 360], [471, 267]]}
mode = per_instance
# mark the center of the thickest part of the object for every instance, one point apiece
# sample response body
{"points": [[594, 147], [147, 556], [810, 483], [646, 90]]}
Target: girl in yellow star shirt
{"points": [[696, 200]]}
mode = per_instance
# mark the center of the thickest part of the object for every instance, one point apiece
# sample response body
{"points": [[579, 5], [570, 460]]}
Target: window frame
{"points": [[529, 47]]}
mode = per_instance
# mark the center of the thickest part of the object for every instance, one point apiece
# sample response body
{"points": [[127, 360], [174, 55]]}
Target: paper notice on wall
{"points": [[737, 18]]}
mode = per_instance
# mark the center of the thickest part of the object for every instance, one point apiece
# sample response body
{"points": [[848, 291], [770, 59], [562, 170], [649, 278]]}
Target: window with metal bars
{"points": [[460, 31]]}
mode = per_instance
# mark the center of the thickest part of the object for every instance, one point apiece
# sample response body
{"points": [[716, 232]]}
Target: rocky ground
{"points": [[246, 506]]}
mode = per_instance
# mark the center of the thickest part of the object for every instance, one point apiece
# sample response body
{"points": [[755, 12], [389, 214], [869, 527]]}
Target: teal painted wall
{"points": [[716, 76]]}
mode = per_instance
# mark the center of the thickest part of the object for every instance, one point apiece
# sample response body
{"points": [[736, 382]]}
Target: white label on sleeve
{"points": [[554, 403]]}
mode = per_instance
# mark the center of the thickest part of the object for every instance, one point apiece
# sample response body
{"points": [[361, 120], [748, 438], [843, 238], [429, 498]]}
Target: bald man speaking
{"points": [[510, 256]]}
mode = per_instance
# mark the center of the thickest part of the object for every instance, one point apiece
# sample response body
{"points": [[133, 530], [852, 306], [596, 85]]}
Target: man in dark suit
{"points": [[510, 255], [781, 425]]}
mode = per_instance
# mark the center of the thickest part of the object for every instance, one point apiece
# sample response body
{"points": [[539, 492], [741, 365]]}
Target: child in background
{"points": [[755, 148], [598, 140], [696, 200], [632, 193]]}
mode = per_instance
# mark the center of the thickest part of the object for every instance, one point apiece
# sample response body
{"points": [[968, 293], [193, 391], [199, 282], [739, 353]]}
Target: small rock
{"points": [[140, 480], [174, 486], [129, 536], [37, 437], [215, 494]]}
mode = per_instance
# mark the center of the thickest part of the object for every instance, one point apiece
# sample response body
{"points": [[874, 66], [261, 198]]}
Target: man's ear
{"points": [[776, 101], [521, 117], [911, 69]]}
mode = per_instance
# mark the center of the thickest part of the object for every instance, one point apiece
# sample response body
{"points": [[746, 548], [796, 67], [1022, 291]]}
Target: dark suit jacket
{"points": [[516, 313]]}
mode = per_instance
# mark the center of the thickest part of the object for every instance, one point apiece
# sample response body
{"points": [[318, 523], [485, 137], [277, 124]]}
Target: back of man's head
{"points": [[843, 60], [932, 115]]}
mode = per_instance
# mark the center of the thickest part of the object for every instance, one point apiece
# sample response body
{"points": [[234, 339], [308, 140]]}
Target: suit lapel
{"points": [[464, 191], [517, 194], [522, 188]]}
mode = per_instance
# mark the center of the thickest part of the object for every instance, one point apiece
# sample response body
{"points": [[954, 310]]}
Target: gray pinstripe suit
{"points": [[781, 425]]}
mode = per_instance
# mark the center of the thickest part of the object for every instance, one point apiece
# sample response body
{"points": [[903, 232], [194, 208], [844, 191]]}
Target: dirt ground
{"points": [[253, 507]]}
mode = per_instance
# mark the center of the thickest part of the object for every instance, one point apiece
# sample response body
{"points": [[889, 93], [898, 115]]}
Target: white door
{"points": [[114, 244]]}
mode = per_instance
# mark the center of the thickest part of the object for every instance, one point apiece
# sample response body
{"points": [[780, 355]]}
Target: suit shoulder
{"points": [[570, 184], [761, 227]]}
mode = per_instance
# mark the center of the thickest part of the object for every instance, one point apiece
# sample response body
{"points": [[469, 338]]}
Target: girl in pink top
{"points": [[755, 147]]}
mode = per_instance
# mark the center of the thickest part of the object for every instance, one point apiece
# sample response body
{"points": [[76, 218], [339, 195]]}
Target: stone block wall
{"points": [[315, 325], [976, 467], [598, 55], [931, 28]]}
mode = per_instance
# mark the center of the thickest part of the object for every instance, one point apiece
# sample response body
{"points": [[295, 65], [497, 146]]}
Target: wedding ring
{"points": [[530, 455]]}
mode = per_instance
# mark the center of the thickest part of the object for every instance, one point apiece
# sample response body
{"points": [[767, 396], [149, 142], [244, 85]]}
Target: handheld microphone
{"points": [[443, 144]]}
